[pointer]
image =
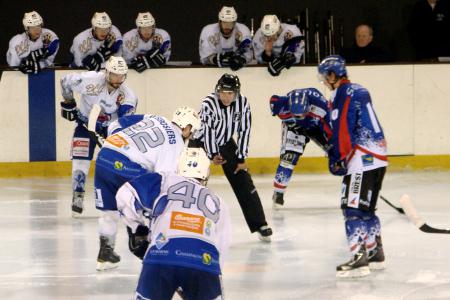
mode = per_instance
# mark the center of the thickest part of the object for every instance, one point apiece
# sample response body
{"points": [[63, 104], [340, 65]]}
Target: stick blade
{"points": [[410, 211]]}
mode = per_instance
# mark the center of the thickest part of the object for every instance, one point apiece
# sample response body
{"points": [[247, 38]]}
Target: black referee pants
{"points": [[242, 185]]}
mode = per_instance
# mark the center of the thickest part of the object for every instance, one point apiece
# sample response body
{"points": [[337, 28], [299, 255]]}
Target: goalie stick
{"points": [[411, 213]]}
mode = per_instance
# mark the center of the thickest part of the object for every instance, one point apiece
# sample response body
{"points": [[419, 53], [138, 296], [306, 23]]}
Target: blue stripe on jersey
{"points": [[41, 116]]}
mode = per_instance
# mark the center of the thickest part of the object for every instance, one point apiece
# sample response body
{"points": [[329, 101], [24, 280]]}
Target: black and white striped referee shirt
{"points": [[220, 123]]}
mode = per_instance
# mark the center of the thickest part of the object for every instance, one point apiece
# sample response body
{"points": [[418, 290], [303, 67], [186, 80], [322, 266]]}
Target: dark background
{"points": [[185, 19]]}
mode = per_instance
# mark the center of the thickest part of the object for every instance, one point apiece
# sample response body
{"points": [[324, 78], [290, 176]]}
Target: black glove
{"points": [[275, 66], [236, 62], [93, 62], [29, 66], [38, 54], [223, 59], [69, 110], [104, 52], [140, 63], [338, 168], [289, 59], [155, 58], [138, 242]]}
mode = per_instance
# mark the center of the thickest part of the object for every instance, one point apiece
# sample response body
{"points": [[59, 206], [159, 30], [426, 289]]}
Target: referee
{"points": [[226, 112]]}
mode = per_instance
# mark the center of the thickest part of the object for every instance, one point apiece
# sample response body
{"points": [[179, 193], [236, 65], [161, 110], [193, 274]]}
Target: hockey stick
{"points": [[411, 213], [93, 116], [399, 209]]}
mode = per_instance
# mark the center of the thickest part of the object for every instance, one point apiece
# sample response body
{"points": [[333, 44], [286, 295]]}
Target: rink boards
{"points": [[411, 101]]}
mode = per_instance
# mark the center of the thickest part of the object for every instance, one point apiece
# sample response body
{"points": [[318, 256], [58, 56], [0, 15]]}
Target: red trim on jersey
{"points": [[279, 186], [285, 116], [345, 143], [380, 157]]}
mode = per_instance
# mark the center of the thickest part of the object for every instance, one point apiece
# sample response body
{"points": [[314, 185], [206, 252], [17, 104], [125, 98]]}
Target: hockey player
{"points": [[115, 99], [35, 49], [94, 46], [138, 144], [278, 44], [358, 153], [146, 47], [189, 230], [226, 43], [303, 115]]}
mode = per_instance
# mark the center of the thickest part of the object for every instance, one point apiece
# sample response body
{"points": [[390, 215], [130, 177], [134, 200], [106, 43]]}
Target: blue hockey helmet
{"points": [[332, 63], [298, 103]]}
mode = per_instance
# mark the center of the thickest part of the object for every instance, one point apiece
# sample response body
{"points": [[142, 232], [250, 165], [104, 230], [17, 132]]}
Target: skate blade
{"points": [[265, 239], [276, 206], [377, 265], [360, 272], [104, 266], [76, 215]]}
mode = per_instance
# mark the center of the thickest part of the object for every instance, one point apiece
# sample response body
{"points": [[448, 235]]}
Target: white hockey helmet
{"points": [[227, 14], [101, 20], [145, 19], [185, 116], [270, 25], [32, 19], [194, 163], [116, 65]]}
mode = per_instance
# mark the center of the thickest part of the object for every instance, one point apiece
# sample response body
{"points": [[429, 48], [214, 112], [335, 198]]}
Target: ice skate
{"points": [[264, 233], [107, 258], [77, 204], [278, 200], [358, 266]]}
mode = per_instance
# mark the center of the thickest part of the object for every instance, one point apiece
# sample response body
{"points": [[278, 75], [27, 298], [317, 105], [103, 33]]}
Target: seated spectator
{"points": [[94, 46], [429, 28], [226, 43], [146, 47], [363, 50], [34, 49], [278, 44]]}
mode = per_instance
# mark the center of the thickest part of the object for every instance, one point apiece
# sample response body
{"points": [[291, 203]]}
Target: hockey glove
{"points": [[93, 62], [140, 64], [338, 168], [275, 66], [104, 52], [69, 109], [38, 54], [223, 59], [237, 62], [155, 58], [138, 242], [289, 59], [29, 66]]}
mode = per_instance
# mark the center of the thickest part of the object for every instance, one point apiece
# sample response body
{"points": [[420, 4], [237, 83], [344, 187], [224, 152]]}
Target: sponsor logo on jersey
{"points": [[208, 226], [367, 160], [118, 165], [187, 222], [117, 140], [120, 98], [161, 241], [206, 259], [357, 183], [80, 147]]}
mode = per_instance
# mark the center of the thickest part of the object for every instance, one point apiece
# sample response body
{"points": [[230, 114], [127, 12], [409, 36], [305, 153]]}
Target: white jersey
{"points": [[154, 143], [20, 46], [93, 89], [190, 226], [213, 42], [133, 45], [85, 44], [287, 32]]}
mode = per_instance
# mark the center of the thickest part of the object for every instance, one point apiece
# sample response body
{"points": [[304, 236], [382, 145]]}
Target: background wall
{"points": [[411, 101], [185, 19]]}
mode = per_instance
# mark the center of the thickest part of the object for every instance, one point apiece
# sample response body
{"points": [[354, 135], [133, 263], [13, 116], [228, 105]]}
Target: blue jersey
{"points": [[189, 225], [357, 137]]}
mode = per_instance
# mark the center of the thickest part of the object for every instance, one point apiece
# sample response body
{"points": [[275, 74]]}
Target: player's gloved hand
{"points": [[69, 109], [276, 65], [138, 242], [338, 168], [155, 58], [223, 59], [104, 52], [29, 66], [236, 62], [289, 59], [93, 62], [38, 54], [140, 63]]}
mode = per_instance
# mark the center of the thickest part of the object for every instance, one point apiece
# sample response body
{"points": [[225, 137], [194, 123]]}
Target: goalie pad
{"points": [[138, 241]]}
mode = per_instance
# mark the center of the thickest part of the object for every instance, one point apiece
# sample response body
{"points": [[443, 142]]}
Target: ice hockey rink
{"points": [[45, 254]]}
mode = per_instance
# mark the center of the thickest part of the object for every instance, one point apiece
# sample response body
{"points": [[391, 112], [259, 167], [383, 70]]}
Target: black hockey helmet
{"points": [[228, 82]]}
